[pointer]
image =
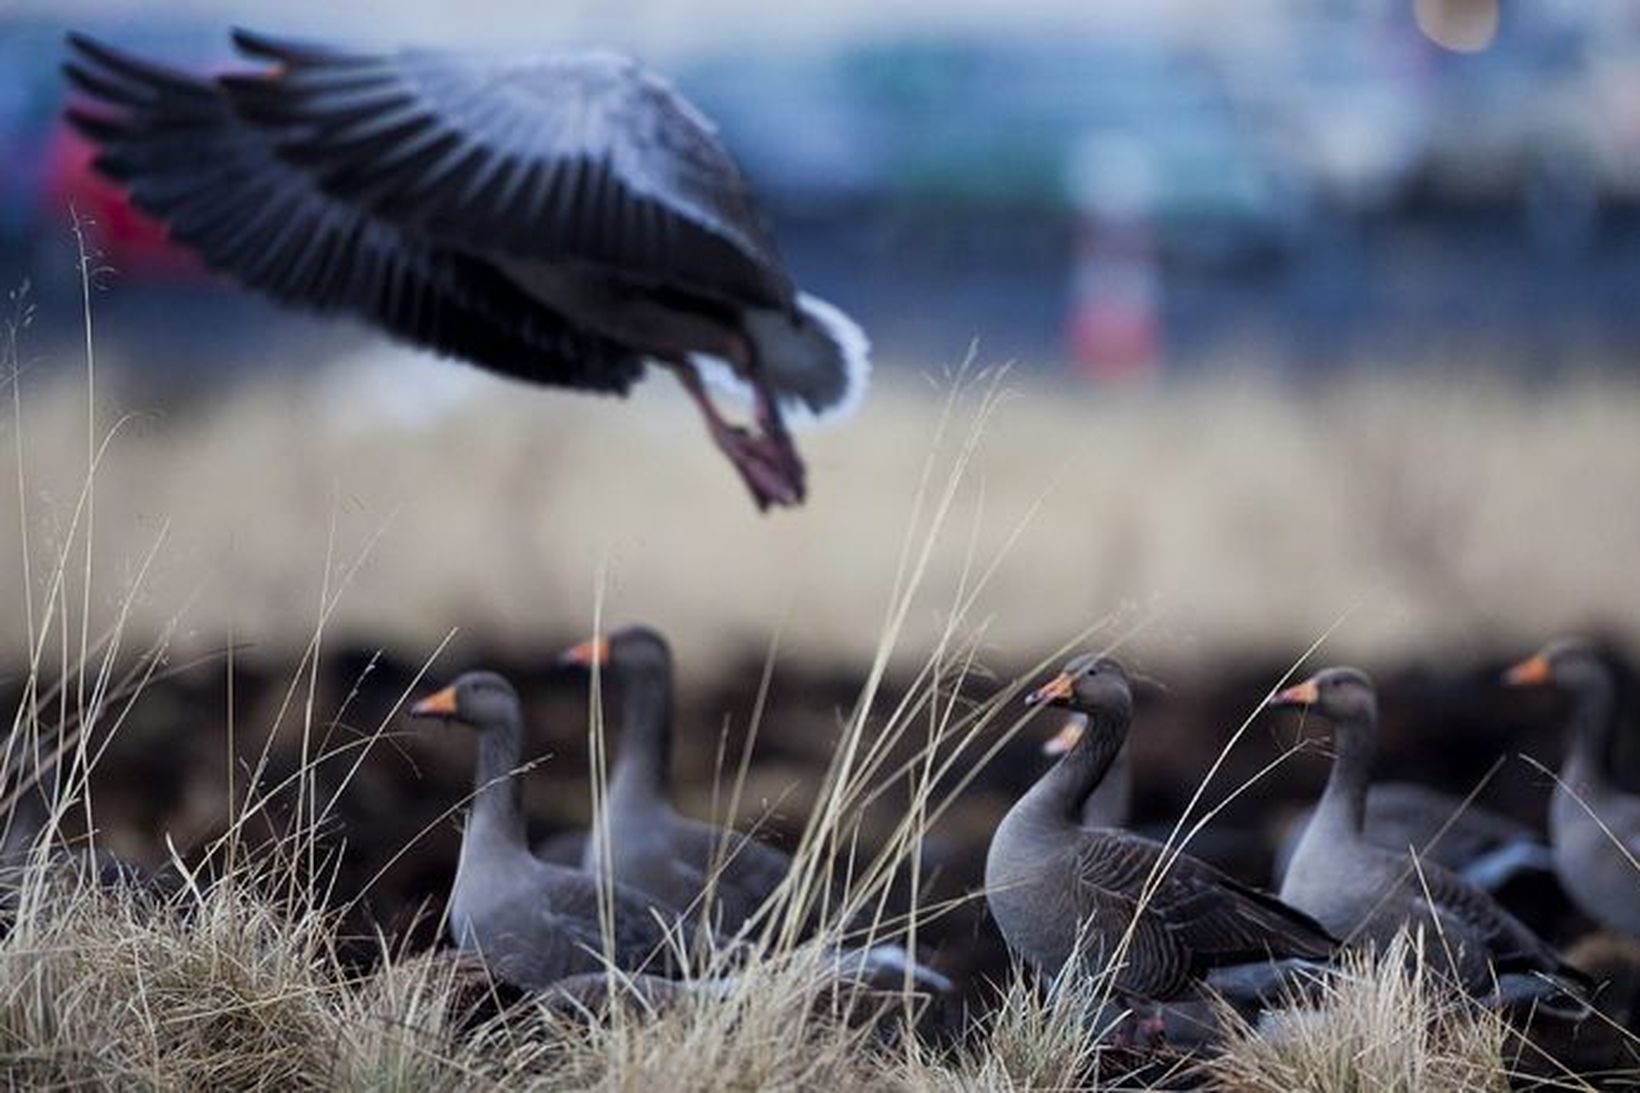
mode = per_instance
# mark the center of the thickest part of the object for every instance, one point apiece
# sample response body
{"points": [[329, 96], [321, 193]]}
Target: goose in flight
{"points": [[563, 219]]}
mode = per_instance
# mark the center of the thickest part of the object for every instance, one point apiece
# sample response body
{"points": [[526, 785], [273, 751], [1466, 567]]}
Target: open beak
{"points": [[1056, 689], [1531, 672], [1066, 738], [586, 654], [1300, 694], [438, 704]]}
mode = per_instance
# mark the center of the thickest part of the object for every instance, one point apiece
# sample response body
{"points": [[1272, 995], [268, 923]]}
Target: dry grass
{"points": [[1054, 1038], [1386, 1026], [219, 989]]}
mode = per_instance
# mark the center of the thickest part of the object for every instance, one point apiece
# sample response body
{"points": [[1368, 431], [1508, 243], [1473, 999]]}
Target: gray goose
{"points": [[532, 922], [1485, 848], [681, 862], [1595, 855], [1052, 883], [1364, 892], [561, 219]]}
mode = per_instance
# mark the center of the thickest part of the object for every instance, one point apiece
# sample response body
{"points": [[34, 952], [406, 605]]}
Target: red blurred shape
{"points": [[115, 232]]}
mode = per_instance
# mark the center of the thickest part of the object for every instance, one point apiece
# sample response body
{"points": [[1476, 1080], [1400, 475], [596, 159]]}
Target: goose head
{"points": [[1340, 695], [627, 650], [1569, 663], [480, 700], [1091, 686]]}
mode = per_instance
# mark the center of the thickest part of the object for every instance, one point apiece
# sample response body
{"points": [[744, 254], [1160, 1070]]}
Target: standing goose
{"points": [[1053, 884], [681, 862], [1364, 893], [531, 921], [1594, 824], [560, 219]]}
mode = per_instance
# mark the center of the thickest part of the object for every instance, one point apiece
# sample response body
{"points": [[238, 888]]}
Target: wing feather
{"points": [[583, 156], [1207, 919], [222, 188]]}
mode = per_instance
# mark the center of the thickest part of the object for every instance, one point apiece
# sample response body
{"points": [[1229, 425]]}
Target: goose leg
{"points": [[767, 462]]}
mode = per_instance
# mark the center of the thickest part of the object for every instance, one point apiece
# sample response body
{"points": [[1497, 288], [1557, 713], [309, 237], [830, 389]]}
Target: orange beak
{"points": [[1056, 689], [1066, 738], [588, 653], [438, 704], [1300, 694], [1531, 672]]}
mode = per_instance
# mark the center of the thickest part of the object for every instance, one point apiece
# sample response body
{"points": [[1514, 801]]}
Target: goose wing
{"points": [[744, 870], [643, 938], [220, 186], [1215, 921], [572, 156], [1511, 944]]}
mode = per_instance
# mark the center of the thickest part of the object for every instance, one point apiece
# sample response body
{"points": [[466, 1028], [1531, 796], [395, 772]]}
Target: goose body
{"points": [[1594, 824], [29, 840], [563, 219], [1484, 847], [1061, 891], [532, 922], [1364, 893]]}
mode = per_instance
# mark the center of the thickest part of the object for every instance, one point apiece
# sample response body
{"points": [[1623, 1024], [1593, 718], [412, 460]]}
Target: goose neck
{"points": [[1355, 744], [643, 766], [1593, 712], [1060, 794], [498, 805]]}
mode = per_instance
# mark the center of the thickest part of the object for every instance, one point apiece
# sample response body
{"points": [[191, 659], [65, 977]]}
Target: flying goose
{"points": [[1058, 889], [532, 922], [1364, 893], [1594, 824], [562, 219]]}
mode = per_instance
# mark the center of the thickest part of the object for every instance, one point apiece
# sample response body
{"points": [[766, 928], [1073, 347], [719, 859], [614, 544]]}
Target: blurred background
{"points": [[1130, 191], [1319, 320], [1326, 307]]}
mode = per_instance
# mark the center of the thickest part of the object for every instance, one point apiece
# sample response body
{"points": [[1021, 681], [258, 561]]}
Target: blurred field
{"points": [[1232, 517]]}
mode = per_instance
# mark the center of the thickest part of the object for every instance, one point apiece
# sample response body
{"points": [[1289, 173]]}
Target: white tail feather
{"points": [[818, 367]]}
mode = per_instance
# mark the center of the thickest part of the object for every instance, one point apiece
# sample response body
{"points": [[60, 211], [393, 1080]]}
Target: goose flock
{"points": [[1072, 890], [569, 220]]}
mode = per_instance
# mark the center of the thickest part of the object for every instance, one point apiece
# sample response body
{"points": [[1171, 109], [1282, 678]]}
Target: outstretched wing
{"points": [[185, 158], [582, 156]]}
